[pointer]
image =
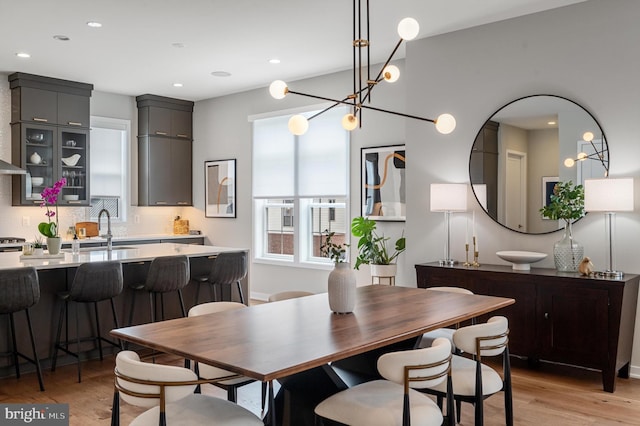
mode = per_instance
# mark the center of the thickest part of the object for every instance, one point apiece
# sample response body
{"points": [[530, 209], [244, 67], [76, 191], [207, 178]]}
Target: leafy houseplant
{"points": [[335, 252], [372, 248], [50, 198], [567, 203]]}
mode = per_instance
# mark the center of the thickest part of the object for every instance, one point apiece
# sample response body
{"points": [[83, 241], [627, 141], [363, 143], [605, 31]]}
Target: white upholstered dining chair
{"points": [[393, 401], [474, 381], [167, 392]]}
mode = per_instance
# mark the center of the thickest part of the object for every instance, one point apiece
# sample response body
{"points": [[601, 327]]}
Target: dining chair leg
{"points": [[508, 391], [54, 358], [115, 409], [184, 312], [232, 394], [78, 342]]}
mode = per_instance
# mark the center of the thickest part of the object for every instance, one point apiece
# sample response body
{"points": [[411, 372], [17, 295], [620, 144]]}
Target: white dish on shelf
{"points": [[37, 181], [71, 160], [71, 197], [521, 260]]}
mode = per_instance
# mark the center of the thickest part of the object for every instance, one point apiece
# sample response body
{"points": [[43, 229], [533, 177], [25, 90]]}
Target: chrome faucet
{"points": [[108, 234]]}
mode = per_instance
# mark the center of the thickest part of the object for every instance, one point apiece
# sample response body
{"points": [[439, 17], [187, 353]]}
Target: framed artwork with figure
{"points": [[220, 188], [548, 183], [383, 183]]}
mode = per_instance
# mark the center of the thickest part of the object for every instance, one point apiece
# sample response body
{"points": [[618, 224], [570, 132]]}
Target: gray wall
{"points": [[583, 52]]}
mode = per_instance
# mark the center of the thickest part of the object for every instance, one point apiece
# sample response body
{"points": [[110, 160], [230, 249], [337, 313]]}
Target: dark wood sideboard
{"points": [[558, 316]]}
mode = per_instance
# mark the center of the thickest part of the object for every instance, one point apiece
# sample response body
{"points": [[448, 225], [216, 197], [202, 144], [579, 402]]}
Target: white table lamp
{"points": [[448, 198], [609, 196]]}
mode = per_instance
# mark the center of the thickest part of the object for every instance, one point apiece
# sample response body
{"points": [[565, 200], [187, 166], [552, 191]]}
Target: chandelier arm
{"points": [[599, 156], [379, 77], [398, 113]]}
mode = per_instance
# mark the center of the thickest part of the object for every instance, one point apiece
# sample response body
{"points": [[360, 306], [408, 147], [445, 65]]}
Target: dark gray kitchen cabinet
{"points": [[164, 151], [49, 138]]}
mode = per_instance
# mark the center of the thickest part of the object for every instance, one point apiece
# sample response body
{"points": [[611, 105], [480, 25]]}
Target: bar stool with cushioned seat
{"points": [[20, 290], [166, 274], [93, 283], [228, 268]]}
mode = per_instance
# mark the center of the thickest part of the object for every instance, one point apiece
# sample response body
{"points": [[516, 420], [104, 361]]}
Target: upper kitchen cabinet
{"points": [[50, 138], [162, 116], [164, 151]]}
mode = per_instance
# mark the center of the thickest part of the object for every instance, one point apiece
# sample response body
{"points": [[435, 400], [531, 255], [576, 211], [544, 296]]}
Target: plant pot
{"points": [[384, 274], [53, 244], [342, 289], [567, 253], [38, 251]]}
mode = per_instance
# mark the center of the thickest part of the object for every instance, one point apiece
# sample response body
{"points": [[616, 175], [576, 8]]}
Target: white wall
{"points": [[583, 52], [222, 131]]}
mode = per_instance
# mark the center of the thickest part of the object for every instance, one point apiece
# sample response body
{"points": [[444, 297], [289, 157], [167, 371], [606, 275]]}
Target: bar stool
{"points": [[228, 268], [166, 274], [20, 290], [93, 283]]}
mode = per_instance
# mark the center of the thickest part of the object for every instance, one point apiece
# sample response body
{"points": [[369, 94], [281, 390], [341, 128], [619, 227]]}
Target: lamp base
{"points": [[447, 262], [616, 275]]}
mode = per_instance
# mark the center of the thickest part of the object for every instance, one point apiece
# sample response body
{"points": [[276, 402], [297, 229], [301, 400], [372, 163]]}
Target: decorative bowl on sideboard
{"points": [[521, 260]]}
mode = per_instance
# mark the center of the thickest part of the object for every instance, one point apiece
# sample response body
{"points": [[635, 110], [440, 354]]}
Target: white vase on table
{"points": [[342, 288]]}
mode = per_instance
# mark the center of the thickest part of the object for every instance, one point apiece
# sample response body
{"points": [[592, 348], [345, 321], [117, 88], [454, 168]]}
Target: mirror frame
{"points": [[605, 160]]}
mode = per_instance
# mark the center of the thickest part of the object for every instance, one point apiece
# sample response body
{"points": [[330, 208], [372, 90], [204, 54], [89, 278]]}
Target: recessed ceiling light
{"points": [[23, 55], [274, 61], [551, 123], [177, 84], [61, 37], [94, 24], [221, 74], [177, 45]]}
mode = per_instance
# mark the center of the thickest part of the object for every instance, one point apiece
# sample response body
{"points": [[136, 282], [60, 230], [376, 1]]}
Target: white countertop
{"points": [[129, 253], [119, 238]]}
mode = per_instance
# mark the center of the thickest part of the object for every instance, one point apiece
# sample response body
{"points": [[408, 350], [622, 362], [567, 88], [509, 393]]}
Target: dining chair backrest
{"points": [[128, 364], [487, 339], [229, 267], [451, 289], [168, 273], [293, 294], [213, 307], [19, 289], [96, 281], [425, 368]]}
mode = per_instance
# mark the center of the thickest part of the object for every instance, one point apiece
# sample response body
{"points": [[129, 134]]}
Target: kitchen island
{"points": [[56, 274]]}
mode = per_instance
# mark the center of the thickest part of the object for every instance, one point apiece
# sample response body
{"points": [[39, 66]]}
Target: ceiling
{"points": [[145, 46]]}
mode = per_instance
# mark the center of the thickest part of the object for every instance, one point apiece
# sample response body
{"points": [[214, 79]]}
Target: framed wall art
{"points": [[548, 183], [220, 188], [383, 183]]}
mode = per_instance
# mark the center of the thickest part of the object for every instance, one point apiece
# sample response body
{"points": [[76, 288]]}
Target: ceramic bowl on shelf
{"points": [[71, 160], [521, 260], [37, 181], [71, 197]]}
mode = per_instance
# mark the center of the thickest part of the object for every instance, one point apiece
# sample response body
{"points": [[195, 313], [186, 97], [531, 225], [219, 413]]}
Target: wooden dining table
{"points": [[298, 341]]}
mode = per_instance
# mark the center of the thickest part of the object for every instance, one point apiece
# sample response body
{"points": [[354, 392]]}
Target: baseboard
{"points": [[635, 372]]}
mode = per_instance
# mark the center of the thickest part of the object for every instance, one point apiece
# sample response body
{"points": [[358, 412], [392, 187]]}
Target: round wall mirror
{"points": [[524, 149]]}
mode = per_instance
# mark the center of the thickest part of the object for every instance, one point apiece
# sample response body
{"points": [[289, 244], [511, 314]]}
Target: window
{"points": [[300, 187], [109, 167]]}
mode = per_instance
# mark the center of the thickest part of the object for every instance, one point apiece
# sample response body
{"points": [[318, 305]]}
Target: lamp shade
{"points": [[448, 197], [608, 195]]}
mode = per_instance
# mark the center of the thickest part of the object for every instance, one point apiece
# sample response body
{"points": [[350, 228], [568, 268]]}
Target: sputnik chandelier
{"points": [[360, 99], [600, 154]]}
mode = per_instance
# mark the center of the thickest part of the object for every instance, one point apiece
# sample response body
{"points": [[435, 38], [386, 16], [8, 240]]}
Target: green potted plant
{"points": [[567, 204], [373, 250], [341, 285], [38, 246]]}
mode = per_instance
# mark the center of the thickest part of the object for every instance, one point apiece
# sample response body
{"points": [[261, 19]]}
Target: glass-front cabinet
{"points": [[50, 138]]}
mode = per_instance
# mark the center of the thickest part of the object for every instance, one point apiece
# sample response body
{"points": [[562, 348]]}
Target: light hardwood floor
{"points": [[551, 395]]}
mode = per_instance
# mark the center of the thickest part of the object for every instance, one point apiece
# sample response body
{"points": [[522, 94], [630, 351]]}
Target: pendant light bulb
{"points": [[569, 162], [349, 122], [445, 123], [298, 125], [278, 89], [408, 29], [588, 136], [391, 73], [582, 156]]}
